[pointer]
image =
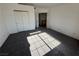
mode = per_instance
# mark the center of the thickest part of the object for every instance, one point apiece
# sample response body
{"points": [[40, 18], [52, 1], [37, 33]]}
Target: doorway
{"points": [[43, 20]]}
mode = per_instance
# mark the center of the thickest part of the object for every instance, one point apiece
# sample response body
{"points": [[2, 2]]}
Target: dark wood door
{"points": [[42, 19]]}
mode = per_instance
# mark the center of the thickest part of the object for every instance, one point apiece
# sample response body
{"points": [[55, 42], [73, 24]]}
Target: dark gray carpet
{"points": [[17, 44]]}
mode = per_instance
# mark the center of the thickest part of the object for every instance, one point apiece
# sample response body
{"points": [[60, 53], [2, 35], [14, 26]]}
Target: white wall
{"points": [[65, 19], [37, 11], [3, 30], [10, 18]]}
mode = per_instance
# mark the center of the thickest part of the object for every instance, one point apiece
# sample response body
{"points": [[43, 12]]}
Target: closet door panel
{"points": [[26, 21], [22, 21], [19, 23]]}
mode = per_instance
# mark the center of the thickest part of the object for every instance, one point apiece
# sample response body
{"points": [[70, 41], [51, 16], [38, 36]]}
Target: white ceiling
{"points": [[45, 5]]}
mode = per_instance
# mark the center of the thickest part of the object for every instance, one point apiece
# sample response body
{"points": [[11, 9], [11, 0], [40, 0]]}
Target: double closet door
{"points": [[22, 20]]}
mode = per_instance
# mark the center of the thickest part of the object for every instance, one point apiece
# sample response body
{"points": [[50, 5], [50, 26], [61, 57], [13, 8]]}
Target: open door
{"points": [[43, 20]]}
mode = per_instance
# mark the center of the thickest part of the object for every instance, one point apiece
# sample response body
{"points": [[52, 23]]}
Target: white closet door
{"points": [[25, 21], [22, 21]]}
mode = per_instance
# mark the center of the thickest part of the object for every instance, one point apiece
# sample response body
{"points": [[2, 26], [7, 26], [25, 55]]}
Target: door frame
{"points": [[39, 19]]}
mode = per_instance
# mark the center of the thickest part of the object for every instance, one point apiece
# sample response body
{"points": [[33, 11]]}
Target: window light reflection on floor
{"points": [[39, 43], [35, 32]]}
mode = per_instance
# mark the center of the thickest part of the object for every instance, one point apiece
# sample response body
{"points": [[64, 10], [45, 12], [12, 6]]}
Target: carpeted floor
{"points": [[55, 43]]}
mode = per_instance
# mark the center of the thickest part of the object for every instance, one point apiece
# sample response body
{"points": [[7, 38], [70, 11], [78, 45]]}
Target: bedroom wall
{"points": [[3, 30], [65, 19]]}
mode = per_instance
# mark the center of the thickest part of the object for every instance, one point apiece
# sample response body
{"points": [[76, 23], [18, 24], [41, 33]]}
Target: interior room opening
{"points": [[42, 20]]}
